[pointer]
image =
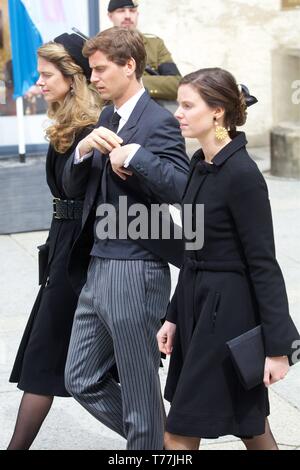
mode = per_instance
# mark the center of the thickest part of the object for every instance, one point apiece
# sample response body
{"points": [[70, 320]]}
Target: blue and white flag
{"points": [[25, 40]]}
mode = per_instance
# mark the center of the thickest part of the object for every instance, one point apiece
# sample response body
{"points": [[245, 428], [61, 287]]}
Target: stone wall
{"points": [[239, 35]]}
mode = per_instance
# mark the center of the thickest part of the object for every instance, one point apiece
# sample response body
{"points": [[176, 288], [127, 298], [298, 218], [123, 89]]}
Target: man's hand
{"points": [[276, 369], [117, 159], [165, 338], [101, 139]]}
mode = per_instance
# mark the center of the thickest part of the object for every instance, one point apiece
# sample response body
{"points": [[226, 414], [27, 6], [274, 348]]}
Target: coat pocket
{"points": [[215, 309], [43, 262]]}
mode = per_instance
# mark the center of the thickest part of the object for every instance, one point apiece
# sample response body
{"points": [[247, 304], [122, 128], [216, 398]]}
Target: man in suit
{"points": [[128, 282]]}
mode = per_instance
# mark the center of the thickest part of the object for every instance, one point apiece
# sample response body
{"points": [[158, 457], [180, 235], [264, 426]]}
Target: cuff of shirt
{"points": [[78, 159], [131, 155]]}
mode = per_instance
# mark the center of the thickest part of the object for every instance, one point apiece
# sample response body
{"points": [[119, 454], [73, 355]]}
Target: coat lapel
{"points": [[126, 133], [131, 125]]}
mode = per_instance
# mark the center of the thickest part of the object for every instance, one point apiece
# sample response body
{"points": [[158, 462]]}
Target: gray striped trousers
{"points": [[118, 316]]}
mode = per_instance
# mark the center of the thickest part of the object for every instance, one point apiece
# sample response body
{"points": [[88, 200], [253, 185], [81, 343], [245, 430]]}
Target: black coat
{"points": [[40, 362], [160, 171], [226, 288]]}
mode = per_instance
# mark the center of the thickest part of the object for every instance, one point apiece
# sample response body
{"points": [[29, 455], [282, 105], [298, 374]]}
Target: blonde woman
{"points": [[73, 107]]}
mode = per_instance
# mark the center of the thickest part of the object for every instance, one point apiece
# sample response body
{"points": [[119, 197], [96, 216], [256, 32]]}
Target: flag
{"points": [[25, 40]]}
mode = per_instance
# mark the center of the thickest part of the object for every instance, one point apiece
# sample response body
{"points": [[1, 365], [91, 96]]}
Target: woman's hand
{"points": [[165, 338], [276, 369]]}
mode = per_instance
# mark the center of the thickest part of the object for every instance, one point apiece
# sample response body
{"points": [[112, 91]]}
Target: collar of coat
{"points": [[238, 142]]}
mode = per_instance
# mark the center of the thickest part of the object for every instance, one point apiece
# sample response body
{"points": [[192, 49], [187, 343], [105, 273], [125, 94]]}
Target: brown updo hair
{"points": [[218, 88]]}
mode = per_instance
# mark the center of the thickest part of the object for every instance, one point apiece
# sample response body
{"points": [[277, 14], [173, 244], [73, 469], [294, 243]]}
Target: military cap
{"points": [[115, 4], [74, 45]]}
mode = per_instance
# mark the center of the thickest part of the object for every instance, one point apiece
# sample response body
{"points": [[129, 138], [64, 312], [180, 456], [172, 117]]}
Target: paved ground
{"points": [[70, 427]]}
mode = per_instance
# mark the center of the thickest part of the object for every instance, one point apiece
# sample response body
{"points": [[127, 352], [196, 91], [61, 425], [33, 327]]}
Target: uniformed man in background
{"points": [[162, 76]]}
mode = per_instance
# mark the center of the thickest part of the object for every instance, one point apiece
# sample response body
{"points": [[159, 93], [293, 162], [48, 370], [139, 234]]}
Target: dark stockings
{"points": [[264, 442], [32, 413]]}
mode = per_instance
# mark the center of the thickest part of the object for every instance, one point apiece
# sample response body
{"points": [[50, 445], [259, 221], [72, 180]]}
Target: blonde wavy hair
{"points": [[81, 106]]}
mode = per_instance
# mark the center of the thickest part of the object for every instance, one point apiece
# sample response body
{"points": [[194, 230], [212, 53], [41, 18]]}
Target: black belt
{"points": [[215, 266], [67, 209]]}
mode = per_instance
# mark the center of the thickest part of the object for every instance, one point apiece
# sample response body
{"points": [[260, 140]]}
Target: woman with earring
{"points": [[230, 285], [74, 108]]}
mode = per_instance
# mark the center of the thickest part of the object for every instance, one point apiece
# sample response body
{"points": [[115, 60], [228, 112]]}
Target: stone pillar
{"points": [[285, 135], [285, 150]]}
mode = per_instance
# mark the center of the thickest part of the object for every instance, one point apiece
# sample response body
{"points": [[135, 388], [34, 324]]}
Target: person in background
{"points": [[9, 106], [73, 107], [161, 76]]}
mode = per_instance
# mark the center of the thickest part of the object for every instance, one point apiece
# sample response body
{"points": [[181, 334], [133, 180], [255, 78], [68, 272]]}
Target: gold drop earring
{"points": [[221, 133]]}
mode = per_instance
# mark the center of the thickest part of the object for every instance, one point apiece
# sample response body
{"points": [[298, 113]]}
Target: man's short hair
{"points": [[119, 45]]}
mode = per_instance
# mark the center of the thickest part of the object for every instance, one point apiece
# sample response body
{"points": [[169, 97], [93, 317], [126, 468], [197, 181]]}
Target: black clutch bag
{"points": [[43, 262], [248, 355]]}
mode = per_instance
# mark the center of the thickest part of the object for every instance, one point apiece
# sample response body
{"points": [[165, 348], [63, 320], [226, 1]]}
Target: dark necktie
{"points": [[113, 126], [114, 122]]}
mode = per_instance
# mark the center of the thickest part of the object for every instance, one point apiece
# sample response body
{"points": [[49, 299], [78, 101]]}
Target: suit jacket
{"points": [[160, 171]]}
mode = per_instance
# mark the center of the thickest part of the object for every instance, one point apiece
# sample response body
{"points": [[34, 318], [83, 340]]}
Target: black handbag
{"points": [[247, 352], [43, 262]]}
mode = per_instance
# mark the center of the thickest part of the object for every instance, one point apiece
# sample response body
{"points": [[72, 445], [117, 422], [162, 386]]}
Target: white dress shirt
{"points": [[124, 112]]}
